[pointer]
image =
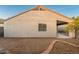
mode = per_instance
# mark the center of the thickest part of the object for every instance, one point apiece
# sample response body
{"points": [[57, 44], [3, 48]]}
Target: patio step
{"points": [[62, 36]]}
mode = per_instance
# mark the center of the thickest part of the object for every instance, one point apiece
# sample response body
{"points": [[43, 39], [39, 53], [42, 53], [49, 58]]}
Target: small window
{"points": [[42, 27], [39, 9]]}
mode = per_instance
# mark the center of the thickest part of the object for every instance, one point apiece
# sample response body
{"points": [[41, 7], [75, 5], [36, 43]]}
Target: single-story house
{"points": [[36, 22]]}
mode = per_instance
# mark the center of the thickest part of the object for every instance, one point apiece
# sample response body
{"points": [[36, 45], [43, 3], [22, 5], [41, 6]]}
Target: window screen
{"points": [[42, 27]]}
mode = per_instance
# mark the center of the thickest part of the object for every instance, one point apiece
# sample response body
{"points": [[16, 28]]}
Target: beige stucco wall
{"points": [[26, 25], [1, 25]]}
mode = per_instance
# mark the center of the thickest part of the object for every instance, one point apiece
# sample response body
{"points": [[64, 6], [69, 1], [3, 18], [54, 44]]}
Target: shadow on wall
{"points": [[1, 31]]}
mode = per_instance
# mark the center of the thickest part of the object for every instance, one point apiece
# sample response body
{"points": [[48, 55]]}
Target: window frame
{"points": [[42, 27]]}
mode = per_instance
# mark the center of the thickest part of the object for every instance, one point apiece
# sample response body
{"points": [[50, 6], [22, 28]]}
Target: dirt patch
{"points": [[25, 45], [36, 46], [64, 48]]}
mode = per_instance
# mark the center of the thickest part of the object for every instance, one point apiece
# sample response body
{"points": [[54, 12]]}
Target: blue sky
{"points": [[11, 10]]}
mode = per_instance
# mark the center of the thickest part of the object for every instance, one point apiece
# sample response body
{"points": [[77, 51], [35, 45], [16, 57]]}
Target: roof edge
{"points": [[32, 9], [60, 14], [17, 15]]}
